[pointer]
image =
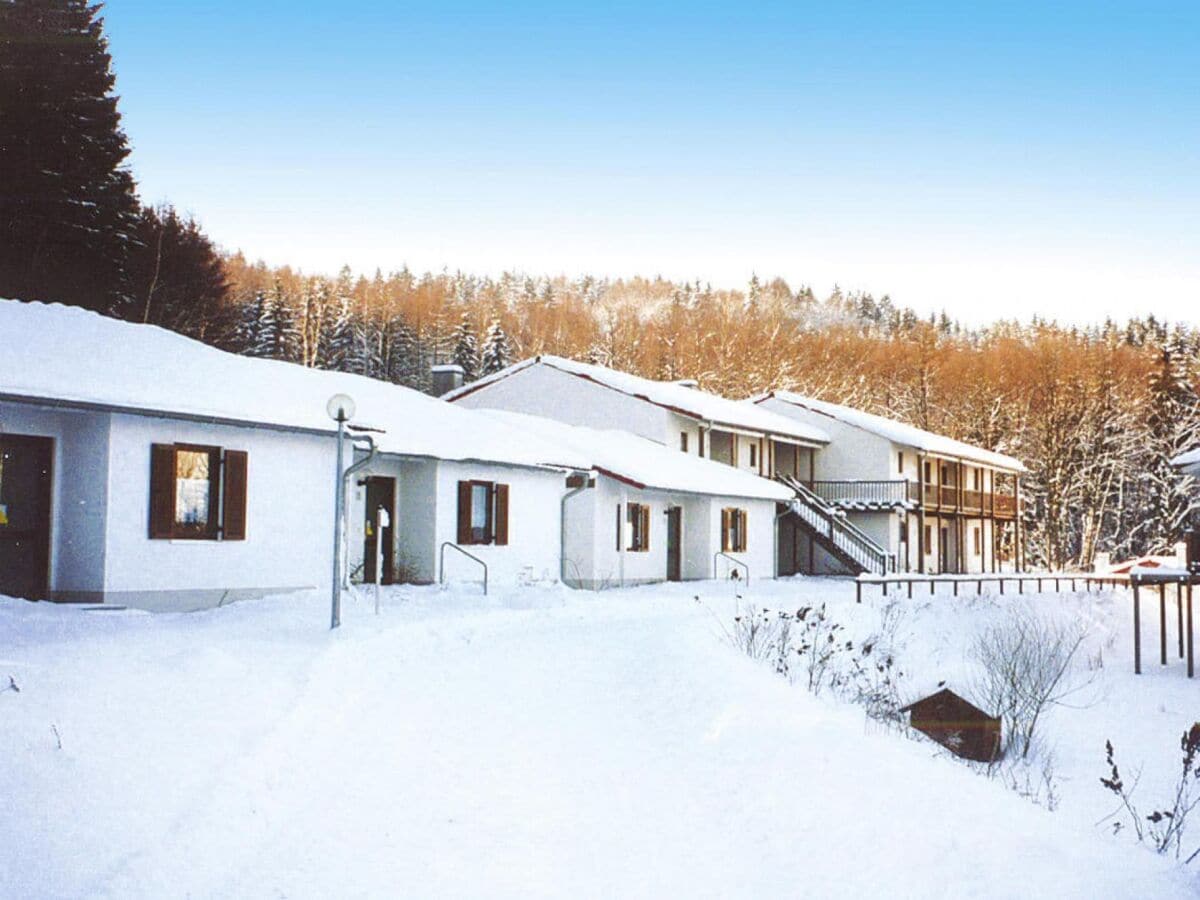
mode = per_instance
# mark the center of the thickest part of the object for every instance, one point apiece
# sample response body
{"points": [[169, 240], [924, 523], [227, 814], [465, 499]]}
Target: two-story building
{"points": [[672, 413], [932, 503]]}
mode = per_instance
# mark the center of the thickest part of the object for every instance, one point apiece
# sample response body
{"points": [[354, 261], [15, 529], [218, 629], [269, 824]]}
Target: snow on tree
{"points": [[466, 352], [495, 354], [341, 348]]}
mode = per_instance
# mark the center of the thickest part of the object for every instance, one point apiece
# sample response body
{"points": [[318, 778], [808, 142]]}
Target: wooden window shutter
{"points": [[233, 497], [618, 527], [645, 528], [743, 519], [162, 490], [725, 531], [464, 512], [501, 507]]}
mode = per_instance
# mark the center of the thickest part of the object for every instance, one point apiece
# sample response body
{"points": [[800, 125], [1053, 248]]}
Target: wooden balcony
{"points": [[945, 499]]}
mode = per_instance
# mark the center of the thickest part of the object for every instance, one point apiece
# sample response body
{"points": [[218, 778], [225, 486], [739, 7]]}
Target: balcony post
{"points": [[1020, 552], [921, 513]]}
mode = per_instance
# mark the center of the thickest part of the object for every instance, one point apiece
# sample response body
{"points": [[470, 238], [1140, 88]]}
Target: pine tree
{"points": [[257, 332], [68, 206], [466, 353], [340, 348], [495, 354], [1173, 426], [283, 338]]}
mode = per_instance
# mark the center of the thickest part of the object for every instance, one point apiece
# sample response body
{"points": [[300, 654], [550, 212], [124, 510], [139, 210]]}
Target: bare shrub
{"points": [[1027, 666]]}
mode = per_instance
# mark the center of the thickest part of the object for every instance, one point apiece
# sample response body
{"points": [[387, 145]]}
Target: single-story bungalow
{"points": [[141, 468], [649, 513]]}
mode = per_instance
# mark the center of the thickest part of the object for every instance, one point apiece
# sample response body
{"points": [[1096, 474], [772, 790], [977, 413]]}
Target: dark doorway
{"points": [[380, 492], [25, 515], [674, 536], [944, 549]]}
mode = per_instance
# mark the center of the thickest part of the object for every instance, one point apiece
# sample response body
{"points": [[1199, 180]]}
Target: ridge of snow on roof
{"points": [[66, 354], [645, 462], [897, 432], [691, 402]]}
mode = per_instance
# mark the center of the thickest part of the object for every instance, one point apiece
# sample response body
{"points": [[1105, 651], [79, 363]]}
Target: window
{"points": [[903, 532], [638, 517], [900, 462], [197, 492], [482, 513], [683, 441], [753, 456], [928, 472], [733, 530], [928, 539], [978, 541], [945, 474], [700, 442]]}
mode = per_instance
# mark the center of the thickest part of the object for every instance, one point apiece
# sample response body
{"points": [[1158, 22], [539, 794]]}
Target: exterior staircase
{"points": [[828, 527]]}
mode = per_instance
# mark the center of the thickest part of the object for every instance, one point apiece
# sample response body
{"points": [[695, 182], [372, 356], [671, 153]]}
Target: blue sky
{"points": [[1002, 160]]}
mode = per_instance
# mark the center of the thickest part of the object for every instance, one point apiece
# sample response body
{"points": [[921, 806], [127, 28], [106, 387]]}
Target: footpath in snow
{"points": [[538, 743]]}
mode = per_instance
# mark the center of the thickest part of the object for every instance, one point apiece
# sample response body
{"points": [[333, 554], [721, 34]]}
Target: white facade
{"points": [[598, 553], [100, 548]]}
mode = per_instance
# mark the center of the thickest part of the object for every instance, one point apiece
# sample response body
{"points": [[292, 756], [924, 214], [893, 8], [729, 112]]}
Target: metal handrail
{"points": [[442, 563], [862, 490], [851, 539], [736, 562]]}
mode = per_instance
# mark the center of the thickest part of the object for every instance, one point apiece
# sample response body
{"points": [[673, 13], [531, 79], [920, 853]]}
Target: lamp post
{"points": [[340, 408]]}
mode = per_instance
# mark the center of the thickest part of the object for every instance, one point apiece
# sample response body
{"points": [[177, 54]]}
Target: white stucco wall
{"points": [[532, 552], [78, 504], [544, 391], [289, 516]]}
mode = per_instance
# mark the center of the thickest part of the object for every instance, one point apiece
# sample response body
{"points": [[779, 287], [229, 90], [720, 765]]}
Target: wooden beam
{"points": [[1137, 627]]}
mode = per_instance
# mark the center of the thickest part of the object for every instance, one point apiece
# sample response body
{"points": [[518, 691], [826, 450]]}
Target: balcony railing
{"points": [[875, 492], [900, 492]]}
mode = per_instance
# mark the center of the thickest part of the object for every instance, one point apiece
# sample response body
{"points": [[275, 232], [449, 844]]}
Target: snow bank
{"points": [[62, 353], [534, 743], [897, 432], [691, 402]]}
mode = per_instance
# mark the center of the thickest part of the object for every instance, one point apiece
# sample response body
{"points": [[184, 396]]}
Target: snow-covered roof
{"points": [[1189, 460], [686, 401], [897, 432], [644, 463], [63, 354]]}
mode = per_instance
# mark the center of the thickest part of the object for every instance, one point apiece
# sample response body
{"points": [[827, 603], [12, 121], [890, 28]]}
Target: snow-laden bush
{"points": [[1027, 664]]}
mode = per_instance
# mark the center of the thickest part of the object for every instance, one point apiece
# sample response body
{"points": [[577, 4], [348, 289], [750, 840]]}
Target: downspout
{"points": [[562, 527], [351, 470]]}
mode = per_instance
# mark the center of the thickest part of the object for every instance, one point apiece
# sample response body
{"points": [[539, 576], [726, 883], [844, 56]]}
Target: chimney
{"points": [[688, 383], [446, 378]]}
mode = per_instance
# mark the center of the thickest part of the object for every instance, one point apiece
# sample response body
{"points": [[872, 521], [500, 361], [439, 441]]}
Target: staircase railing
{"points": [[442, 563], [737, 564], [831, 522]]}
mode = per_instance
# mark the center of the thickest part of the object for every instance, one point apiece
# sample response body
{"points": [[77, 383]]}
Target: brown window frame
{"points": [[979, 540], [683, 441], [638, 517], [734, 527], [753, 455], [495, 530], [227, 489]]}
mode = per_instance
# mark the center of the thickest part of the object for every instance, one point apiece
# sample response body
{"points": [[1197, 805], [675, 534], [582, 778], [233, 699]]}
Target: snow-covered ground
{"points": [[540, 743]]}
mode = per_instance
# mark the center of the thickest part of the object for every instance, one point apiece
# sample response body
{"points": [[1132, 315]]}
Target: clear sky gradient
{"points": [[996, 159]]}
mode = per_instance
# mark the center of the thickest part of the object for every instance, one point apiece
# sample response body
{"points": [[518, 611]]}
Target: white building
{"points": [[932, 503], [141, 468], [674, 414], [648, 513]]}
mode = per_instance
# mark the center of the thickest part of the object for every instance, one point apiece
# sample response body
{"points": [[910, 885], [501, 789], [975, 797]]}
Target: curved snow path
{"points": [[609, 747]]}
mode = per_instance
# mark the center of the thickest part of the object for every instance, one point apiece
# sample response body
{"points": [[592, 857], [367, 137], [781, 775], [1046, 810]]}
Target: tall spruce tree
{"points": [[495, 354], [466, 352], [174, 274], [68, 206]]}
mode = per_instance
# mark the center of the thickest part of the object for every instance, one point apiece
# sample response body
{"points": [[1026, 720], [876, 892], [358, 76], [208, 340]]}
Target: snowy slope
{"points": [[644, 462], [687, 401], [57, 352], [541, 743], [896, 432]]}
